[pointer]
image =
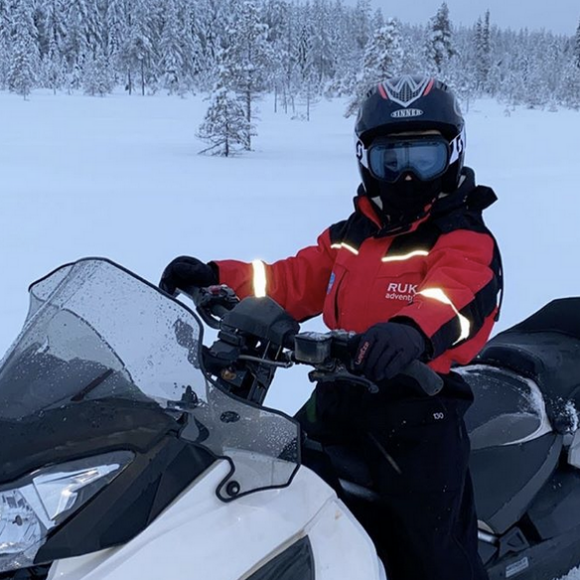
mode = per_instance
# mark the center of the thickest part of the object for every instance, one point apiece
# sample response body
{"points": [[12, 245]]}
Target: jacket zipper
{"points": [[336, 298]]}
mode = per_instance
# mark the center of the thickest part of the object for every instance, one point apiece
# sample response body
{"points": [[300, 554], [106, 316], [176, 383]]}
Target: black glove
{"points": [[386, 348], [187, 271]]}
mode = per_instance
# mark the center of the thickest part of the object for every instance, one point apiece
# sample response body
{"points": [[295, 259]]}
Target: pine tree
{"points": [[246, 56], [225, 126], [22, 74], [190, 43], [138, 49], [115, 39], [323, 53], [378, 20], [172, 57], [98, 77], [483, 51], [306, 70], [81, 39], [6, 42], [570, 87], [53, 63], [54, 76], [347, 58], [439, 48], [382, 60], [362, 28], [577, 47]]}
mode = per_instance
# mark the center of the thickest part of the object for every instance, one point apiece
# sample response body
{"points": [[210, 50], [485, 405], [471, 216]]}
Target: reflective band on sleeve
{"points": [[438, 294], [345, 246], [259, 278], [405, 256]]}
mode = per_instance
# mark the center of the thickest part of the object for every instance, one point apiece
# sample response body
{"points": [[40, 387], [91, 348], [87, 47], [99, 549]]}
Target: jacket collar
{"points": [[467, 195]]}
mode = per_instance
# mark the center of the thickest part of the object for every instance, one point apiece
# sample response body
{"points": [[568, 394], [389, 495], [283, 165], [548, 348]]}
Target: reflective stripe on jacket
{"points": [[442, 275]]}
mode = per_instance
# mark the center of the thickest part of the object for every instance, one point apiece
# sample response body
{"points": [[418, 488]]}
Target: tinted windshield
{"points": [[508, 409], [96, 331]]}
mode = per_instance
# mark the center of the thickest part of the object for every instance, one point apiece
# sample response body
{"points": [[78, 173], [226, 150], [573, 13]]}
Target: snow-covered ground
{"points": [[120, 177]]}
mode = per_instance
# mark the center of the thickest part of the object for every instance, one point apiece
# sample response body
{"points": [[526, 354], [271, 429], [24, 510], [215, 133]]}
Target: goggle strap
{"points": [[457, 146], [363, 154]]}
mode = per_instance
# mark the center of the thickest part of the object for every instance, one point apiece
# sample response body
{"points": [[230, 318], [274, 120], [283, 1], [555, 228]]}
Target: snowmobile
{"points": [[131, 450]]}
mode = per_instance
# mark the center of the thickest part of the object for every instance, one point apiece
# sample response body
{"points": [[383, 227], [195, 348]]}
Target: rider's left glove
{"points": [[186, 271], [386, 348]]}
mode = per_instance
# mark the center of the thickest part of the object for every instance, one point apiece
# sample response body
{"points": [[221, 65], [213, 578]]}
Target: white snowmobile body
{"points": [[200, 536]]}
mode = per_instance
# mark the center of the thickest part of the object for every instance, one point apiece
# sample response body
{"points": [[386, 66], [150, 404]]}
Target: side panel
{"points": [[341, 547], [201, 538]]}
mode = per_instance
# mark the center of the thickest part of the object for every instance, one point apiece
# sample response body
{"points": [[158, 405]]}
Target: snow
{"points": [[120, 177]]}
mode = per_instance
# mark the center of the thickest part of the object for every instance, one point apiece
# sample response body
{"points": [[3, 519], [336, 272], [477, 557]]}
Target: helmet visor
{"points": [[427, 159]]}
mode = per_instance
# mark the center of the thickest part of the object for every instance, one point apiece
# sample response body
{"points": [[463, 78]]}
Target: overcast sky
{"points": [[561, 16]]}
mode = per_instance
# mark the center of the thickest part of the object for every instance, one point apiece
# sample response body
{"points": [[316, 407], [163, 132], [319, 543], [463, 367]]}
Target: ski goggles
{"points": [[427, 157]]}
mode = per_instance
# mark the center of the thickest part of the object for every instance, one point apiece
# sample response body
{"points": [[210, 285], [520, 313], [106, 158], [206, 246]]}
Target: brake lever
{"points": [[321, 376], [212, 303]]}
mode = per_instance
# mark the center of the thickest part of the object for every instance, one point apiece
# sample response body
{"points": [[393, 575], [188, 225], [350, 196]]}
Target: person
{"points": [[416, 274]]}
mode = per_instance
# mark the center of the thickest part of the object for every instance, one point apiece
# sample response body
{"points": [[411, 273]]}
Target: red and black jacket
{"points": [[442, 275]]}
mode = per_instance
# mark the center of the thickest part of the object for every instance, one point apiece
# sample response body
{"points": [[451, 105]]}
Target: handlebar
{"points": [[329, 353], [333, 350]]}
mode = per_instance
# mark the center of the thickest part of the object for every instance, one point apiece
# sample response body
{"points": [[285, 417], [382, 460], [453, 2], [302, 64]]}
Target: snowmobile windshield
{"points": [[508, 409], [96, 332]]}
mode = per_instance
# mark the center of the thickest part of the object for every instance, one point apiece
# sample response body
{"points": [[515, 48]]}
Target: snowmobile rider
{"points": [[416, 273]]}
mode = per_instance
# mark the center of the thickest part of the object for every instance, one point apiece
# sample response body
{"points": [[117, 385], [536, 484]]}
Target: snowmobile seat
{"points": [[341, 467], [546, 349], [353, 473]]}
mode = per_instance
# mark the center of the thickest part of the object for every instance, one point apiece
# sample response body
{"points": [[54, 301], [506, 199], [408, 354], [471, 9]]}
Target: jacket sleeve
{"points": [[298, 283], [459, 294]]}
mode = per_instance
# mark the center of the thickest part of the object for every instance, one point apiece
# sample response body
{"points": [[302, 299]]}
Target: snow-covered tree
{"points": [[98, 79], [246, 56], [225, 126], [570, 87], [306, 69], [6, 42], [23, 71], [483, 51], [378, 20], [172, 56], [137, 53], [298, 49], [287, 76], [439, 47], [115, 35], [577, 47], [53, 65], [362, 23], [83, 38], [382, 60]]}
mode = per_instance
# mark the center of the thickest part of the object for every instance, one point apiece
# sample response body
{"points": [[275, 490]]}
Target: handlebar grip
{"points": [[211, 316], [430, 381]]}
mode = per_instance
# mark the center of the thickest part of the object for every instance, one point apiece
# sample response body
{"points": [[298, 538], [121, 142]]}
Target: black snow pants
{"points": [[415, 451]]}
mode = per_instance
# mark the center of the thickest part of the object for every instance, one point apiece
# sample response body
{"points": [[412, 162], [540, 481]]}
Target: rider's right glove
{"points": [[386, 348], [186, 271]]}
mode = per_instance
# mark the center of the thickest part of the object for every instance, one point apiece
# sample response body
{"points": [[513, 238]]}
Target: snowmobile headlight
{"points": [[42, 500]]}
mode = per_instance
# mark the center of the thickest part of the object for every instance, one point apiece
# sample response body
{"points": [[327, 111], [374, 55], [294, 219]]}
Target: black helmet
{"points": [[410, 104]]}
